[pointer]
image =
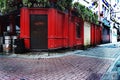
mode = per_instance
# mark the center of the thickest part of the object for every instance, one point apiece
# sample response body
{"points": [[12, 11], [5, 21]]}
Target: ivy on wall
{"points": [[7, 6], [84, 13], [65, 5], [62, 5]]}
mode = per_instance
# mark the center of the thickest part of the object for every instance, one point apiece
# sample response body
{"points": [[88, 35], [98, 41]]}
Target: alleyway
{"points": [[90, 64]]}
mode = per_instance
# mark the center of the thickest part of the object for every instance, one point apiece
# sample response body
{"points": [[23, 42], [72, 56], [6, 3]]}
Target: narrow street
{"points": [[90, 64], [68, 39]]}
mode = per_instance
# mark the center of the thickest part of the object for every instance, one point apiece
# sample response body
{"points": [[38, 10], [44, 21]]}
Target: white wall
{"points": [[87, 31], [114, 35]]}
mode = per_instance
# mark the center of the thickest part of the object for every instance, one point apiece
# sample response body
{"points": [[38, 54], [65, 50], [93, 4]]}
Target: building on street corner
{"points": [[53, 25]]}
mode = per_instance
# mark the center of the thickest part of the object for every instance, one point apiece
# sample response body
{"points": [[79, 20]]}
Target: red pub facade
{"points": [[46, 28], [43, 28]]}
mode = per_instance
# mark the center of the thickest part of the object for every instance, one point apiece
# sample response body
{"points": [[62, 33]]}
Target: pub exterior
{"points": [[49, 28], [44, 28]]}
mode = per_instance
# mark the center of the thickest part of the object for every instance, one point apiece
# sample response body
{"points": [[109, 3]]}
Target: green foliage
{"points": [[39, 0], [86, 14], [26, 3], [6, 6], [68, 4], [3, 6], [64, 4]]}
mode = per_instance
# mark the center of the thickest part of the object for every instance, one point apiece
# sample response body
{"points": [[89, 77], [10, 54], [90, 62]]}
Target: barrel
{"points": [[7, 46]]}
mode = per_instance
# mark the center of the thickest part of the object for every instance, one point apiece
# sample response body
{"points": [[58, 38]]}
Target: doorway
{"points": [[38, 31]]}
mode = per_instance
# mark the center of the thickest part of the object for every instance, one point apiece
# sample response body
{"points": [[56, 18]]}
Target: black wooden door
{"points": [[39, 32]]}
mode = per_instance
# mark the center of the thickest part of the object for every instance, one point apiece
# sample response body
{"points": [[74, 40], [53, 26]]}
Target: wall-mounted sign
{"points": [[38, 5], [39, 23]]}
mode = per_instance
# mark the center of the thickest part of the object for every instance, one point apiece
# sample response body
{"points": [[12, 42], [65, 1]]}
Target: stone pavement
{"points": [[70, 67], [90, 64], [100, 52]]}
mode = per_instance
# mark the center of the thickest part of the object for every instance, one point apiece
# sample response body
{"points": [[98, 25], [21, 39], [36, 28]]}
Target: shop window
{"points": [[17, 28], [8, 28], [77, 30]]}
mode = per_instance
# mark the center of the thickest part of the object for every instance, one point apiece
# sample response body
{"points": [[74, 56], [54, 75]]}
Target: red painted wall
{"points": [[25, 27], [58, 30], [61, 28], [72, 35], [79, 41], [73, 40], [57, 26], [95, 34]]}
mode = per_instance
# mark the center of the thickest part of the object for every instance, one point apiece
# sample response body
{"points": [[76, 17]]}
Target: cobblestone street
{"points": [[59, 39], [74, 66], [64, 68]]}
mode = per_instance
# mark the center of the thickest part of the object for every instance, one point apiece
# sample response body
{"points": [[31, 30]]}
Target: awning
{"points": [[106, 22]]}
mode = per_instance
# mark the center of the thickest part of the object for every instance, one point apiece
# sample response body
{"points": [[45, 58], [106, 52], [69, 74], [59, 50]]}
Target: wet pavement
{"points": [[90, 64], [101, 52]]}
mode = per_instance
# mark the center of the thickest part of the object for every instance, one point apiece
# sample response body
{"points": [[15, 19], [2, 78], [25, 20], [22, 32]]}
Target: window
{"points": [[77, 30], [8, 28], [17, 28]]}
